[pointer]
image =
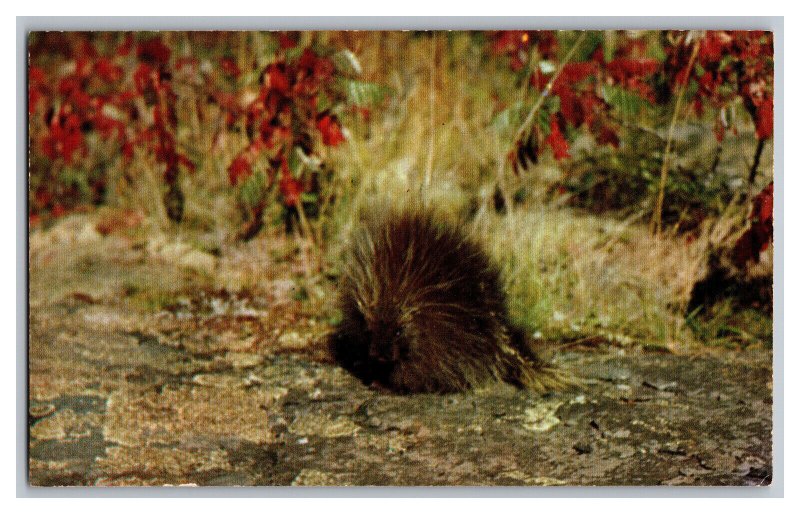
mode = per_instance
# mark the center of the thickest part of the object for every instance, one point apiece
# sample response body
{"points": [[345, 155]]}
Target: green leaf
{"points": [[628, 104], [508, 118], [323, 102], [294, 53], [295, 163], [251, 78], [594, 38], [252, 190], [309, 197], [655, 50], [72, 177], [267, 43], [347, 62], [363, 93]]}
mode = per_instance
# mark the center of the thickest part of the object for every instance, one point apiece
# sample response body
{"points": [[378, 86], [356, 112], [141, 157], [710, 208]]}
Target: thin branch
{"points": [[655, 222], [756, 160]]}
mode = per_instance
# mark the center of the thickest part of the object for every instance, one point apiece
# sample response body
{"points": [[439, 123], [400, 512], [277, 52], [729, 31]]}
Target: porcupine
{"points": [[424, 311]]}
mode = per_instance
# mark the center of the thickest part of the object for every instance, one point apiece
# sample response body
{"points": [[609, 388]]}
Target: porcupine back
{"points": [[424, 311]]}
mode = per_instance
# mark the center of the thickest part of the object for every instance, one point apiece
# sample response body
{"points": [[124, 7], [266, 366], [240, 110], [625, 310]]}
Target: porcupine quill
{"points": [[424, 311]]}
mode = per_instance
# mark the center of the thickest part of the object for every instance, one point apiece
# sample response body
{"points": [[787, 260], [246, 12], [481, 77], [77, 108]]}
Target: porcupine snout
{"points": [[387, 344]]}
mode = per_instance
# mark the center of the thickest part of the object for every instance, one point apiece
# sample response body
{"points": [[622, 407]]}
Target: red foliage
{"points": [[229, 67], [291, 189], [727, 64], [516, 44], [93, 93], [284, 117], [741, 60], [607, 136], [153, 51], [758, 237], [64, 138], [331, 130], [764, 119], [633, 74], [556, 140], [239, 169], [762, 205], [107, 70]]}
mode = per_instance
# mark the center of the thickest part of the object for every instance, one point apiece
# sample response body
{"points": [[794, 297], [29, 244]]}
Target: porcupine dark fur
{"points": [[424, 311]]}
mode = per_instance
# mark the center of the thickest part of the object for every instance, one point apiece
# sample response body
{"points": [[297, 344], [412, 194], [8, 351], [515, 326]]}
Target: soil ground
{"points": [[141, 374]]}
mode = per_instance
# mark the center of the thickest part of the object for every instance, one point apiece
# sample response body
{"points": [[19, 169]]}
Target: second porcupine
{"points": [[424, 311]]}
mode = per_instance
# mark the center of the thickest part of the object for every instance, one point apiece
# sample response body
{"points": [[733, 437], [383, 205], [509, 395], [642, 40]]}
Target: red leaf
{"points": [[317, 67], [764, 119], [291, 189], [712, 46], [608, 136], [230, 68], [64, 138], [184, 161], [126, 46], [758, 237], [622, 69], [330, 130], [186, 62], [239, 169], [510, 41], [41, 198], [276, 78], [575, 72], [286, 41], [153, 51], [36, 75], [143, 77], [107, 70], [107, 127], [556, 140], [762, 205], [34, 95], [58, 210]]}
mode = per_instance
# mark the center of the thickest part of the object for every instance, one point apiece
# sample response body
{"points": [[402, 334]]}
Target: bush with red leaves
{"points": [[730, 64], [85, 94], [124, 90], [603, 83], [623, 86]]}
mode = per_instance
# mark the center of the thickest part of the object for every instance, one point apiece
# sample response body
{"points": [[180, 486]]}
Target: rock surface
{"points": [[211, 396]]}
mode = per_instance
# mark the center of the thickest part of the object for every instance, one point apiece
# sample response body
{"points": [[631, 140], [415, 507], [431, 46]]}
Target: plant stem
{"points": [[756, 159], [717, 156], [306, 229], [431, 118], [655, 223]]}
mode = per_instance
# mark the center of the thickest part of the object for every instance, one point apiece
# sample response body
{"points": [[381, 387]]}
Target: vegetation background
{"points": [[623, 179]]}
